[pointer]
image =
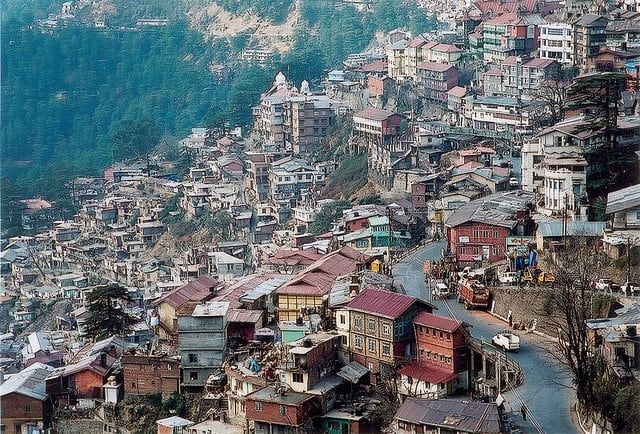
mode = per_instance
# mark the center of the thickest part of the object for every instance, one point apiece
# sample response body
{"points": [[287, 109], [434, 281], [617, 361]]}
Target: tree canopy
{"points": [[106, 315]]}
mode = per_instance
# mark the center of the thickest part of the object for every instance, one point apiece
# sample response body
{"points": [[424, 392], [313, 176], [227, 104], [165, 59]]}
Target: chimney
{"points": [[1, 377], [103, 359]]}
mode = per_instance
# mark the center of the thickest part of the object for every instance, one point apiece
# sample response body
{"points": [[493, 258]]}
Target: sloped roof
{"points": [[458, 91], [497, 209], [29, 382], [382, 303], [244, 315], [374, 114], [577, 228], [623, 199], [426, 372], [196, 290], [462, 416], [438, 322]]}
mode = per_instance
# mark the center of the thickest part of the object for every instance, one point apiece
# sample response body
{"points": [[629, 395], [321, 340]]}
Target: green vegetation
{"points": [[348, 177], [327, 215], [106, 318]]}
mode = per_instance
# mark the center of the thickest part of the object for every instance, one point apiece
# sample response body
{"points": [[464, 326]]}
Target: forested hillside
{"points": [[76, 99]]}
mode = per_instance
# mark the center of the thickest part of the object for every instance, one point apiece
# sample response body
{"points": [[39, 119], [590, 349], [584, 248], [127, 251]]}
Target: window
{"points": [[386, 349], [133, 384], [193, 376], [169, 367], [371, 325], [343, 318], [357, 341], [433, 331], [27, 408], [441, 334], [257, 405], [448, 336], [371, 345], [343, 339], [153, 382], [283, 410], [357, 321], [193, 358], [297, 377]]}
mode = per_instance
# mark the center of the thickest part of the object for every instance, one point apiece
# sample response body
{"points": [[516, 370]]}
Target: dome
{"points": [[280, 79]]}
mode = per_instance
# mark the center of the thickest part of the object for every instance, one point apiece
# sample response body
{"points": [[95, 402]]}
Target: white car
{"points": [[507, 340], [513, 181], [607, 285]]}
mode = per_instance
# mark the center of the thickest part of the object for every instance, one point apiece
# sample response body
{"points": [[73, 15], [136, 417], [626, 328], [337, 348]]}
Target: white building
{"points": [[555, 42]]}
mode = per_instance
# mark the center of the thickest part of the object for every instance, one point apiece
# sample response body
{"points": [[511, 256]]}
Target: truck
{"points": [[507, 340], [473, 293]]}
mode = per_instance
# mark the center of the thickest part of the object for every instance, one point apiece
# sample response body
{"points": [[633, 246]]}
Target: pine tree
{"points": [[106, 317]]}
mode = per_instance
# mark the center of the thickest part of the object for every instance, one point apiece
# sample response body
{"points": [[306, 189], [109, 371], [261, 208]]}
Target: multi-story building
{"points": [[307, 291], [308, 360], [623, 32], [442, 343], [516, 76], [496, 113], [146, 374], [26, 407], [203, 339], [292, 119], [589, 35], [307, 118], [510, 34], [289, 178], [380, 329], [277, 410], [556, 42], [376, 125], [436, 79], [477, 231]]}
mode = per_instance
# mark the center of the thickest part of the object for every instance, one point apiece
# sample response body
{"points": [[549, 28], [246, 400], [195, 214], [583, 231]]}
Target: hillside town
{"points": [[271, 318]]}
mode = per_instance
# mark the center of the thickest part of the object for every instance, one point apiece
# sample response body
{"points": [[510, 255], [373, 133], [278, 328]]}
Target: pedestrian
{"points": [[523, 410]]}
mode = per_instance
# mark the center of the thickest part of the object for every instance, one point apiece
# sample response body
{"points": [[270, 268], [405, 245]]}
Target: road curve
{"points": [[545, 390]]}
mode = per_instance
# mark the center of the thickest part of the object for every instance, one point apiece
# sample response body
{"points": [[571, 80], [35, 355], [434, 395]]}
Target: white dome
{"points": [[280, 79], [304, 87]]}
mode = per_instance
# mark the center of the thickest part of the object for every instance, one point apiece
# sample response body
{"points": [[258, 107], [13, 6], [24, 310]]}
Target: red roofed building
{"points": [[376, 125], [380, 329], [437, 79], [442, 364], [202, 289], [308, 291]]}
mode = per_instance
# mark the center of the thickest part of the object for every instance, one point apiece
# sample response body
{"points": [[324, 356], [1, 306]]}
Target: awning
{"points": [[353, 372], [265, 331]]}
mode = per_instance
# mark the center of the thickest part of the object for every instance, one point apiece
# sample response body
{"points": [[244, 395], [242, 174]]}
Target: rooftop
{"points": [[382, 303]]}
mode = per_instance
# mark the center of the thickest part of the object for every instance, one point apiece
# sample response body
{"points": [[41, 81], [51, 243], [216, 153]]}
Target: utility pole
{"points": [[628, 259], [389, 242]]}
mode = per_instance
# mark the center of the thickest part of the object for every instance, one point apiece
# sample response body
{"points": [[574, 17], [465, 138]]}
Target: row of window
{"points": [[258, 407], [372, 345], [434, 332], [442, 358]]}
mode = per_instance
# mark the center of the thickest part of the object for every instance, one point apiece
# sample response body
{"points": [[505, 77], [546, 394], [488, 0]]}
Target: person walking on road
{"points": [[523, 410]]}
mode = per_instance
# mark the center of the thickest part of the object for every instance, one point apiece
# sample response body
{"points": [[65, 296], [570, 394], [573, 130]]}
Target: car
{"points": [[630, 288], [507, 340], [607, 285], [513, 181]]}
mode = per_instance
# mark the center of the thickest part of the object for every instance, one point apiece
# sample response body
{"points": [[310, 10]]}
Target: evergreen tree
{"points": [[106, 316]]}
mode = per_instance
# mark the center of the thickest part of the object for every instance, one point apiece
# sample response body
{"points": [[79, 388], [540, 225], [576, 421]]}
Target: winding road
{"points": [[545, 390]]}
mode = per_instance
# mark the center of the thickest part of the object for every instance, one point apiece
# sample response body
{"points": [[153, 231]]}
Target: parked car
{"points": [[513, 182], [507, 340], [607, 285], [630, 288]]}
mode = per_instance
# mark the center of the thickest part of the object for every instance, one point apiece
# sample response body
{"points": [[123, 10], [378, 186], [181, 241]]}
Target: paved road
{"points": [[545, 390]]}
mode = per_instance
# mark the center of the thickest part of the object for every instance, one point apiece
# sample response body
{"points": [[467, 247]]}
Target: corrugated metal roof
{"points": [[461, 416], [374, 114], [197, 290], [353, 372], [382, 303], [497, 209], [624, 199], [426, 372], [244, 315], [29, 382], [585, 229], [437, 322]]}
